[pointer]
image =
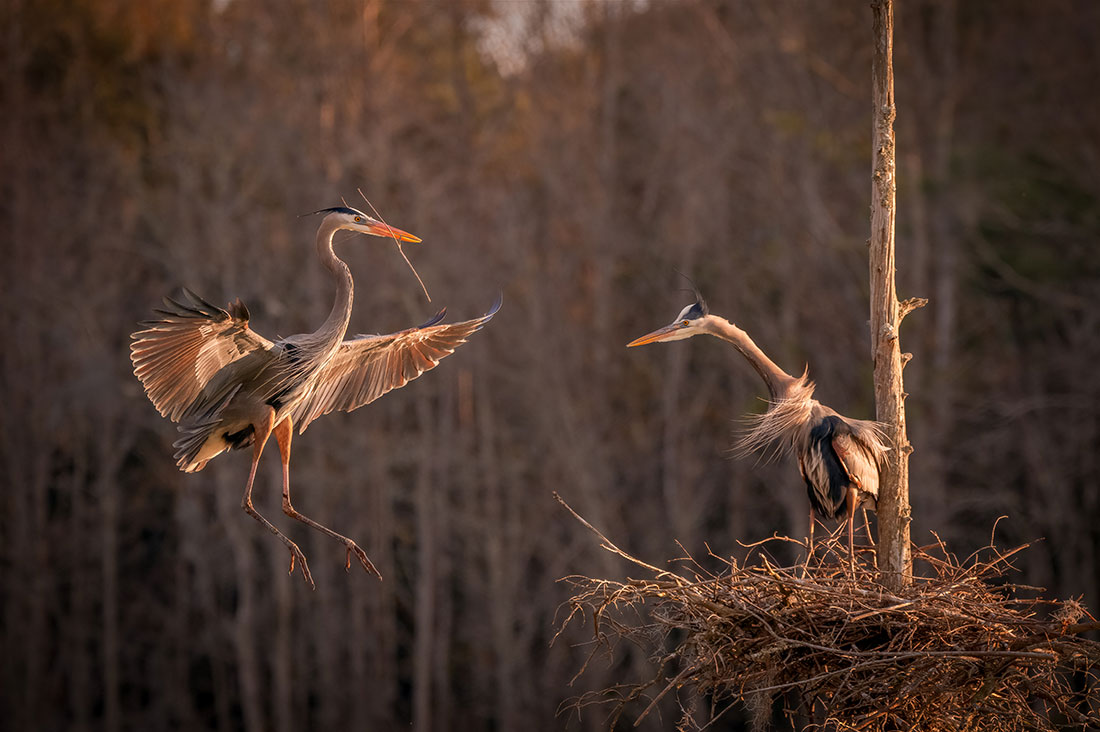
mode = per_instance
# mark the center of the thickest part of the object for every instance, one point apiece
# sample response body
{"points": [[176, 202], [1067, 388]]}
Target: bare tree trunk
{"points": [[425, 639], [445, 512], [378, 616], [111, 456], [244, 618], [895, 560], [79, 635], [934, 257], [500, 580], [283, 646], [944, 231]]}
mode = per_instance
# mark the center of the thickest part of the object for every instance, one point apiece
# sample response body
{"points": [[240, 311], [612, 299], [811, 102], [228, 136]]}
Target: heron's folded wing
{"points": [[177, 356], [367, 366], [859, 460]]}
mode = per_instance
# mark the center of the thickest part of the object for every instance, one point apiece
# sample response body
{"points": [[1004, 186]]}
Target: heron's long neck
{"points": [[780, 384], [333, 329]]}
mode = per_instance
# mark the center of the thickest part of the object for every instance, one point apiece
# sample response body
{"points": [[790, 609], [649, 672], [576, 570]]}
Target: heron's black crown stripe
{"points": [[341, 209]]}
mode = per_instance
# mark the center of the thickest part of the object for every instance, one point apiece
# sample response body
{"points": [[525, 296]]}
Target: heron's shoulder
{"points": [[828, 425], [820, 412]]}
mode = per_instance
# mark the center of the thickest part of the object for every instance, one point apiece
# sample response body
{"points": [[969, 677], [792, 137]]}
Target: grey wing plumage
{"points": [[367, 366], [839, 453], [177, 356], [861, 452]]}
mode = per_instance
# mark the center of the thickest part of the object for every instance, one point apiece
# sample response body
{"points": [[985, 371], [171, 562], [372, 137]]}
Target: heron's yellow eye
{"points": [[686, 322], [358, 218]]}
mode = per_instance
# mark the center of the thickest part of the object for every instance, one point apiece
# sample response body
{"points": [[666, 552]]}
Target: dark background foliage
{"points": [[569, 154]]}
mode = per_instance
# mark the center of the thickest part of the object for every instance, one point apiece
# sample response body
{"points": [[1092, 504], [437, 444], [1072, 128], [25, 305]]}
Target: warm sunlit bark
{"points": [[895, 561]]}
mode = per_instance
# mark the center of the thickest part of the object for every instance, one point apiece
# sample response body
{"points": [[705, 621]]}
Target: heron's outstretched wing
{"points": [[367, 366], [178, 355]]}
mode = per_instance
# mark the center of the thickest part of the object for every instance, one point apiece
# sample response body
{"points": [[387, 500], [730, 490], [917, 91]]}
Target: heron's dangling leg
{"points": [[870, 539], [810, 540], [851, 527], [284, 431], [263, 431]]}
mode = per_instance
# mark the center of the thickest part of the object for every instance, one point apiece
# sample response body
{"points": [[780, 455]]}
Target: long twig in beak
{"points": [[398, 243]]}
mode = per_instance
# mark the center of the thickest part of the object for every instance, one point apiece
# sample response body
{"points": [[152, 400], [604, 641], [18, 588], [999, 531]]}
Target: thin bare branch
{"points": [[611, 547]]}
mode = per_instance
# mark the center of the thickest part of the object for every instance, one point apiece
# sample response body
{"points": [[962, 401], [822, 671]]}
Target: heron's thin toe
{"points": [[297, 555], [363, 559]]}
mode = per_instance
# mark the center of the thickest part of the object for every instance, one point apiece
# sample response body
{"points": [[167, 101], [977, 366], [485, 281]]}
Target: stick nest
{"points": [[960, 649]]}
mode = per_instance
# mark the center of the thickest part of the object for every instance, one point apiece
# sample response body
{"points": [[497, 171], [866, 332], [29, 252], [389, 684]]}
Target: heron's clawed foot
{"points": [[289, 510], [363, 559], [296, 555]]}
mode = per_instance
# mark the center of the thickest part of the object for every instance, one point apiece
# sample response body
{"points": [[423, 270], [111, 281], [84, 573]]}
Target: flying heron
{"points": [[230, 388], [839, 457]]}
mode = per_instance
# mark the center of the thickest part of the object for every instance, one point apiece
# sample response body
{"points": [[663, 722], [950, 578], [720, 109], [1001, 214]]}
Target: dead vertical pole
{"points": [[895, 560]]}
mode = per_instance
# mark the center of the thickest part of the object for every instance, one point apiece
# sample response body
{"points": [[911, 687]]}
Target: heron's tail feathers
{"points": [[201, 440], [188, 448]]}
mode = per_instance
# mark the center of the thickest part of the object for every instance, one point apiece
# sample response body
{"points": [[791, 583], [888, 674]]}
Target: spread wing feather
{"points": [[367, 366], [178, 355]]}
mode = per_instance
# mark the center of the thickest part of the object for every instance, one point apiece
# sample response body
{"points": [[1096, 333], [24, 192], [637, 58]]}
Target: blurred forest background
{"points": [[570, 154]]}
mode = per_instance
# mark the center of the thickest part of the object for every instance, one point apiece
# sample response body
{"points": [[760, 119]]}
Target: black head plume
{"points": [[700, 308]]}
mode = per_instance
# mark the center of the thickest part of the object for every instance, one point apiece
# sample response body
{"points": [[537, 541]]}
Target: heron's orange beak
{"points": [[390, 232], [656, 336]]}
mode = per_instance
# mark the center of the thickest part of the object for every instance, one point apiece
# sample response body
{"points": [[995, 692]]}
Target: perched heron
{"points": [[230, 388], [839, 458]]}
